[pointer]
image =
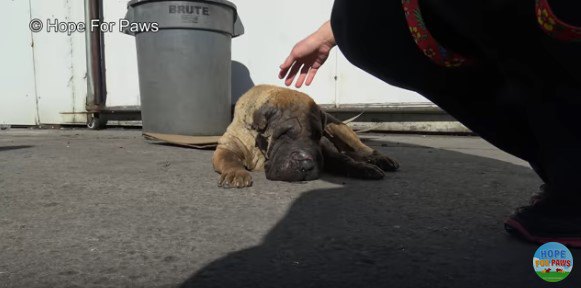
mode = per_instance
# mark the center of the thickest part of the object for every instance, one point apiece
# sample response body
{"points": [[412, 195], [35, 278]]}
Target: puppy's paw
{"points": [[237, 178], [367, 171], [382, 161]]}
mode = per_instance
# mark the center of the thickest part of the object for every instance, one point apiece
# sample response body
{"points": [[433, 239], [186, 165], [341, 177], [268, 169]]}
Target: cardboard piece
{"points": [[197, 142]]}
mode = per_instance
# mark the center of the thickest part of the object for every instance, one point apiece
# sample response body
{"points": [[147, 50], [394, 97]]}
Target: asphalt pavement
{"points": [[83, 208]]}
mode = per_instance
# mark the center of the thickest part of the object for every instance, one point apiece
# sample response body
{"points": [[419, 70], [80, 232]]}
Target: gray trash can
{"points": [[185, 67]]}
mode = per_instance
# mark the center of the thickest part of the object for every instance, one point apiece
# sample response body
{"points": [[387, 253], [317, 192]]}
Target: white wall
{"points": [[354, 86], [121, 60], [60, 63], [41, 83], [272, 28], [41, 74], [17, 87]]}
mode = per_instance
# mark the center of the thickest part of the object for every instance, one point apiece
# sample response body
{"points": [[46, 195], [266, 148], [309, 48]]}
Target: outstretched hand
{"points": [[307, 57]]}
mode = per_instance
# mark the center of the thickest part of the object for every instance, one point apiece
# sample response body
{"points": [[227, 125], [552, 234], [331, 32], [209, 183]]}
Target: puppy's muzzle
{"points": [[304, 161]]}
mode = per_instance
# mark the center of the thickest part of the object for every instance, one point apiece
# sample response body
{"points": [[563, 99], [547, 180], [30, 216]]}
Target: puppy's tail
{"points": [[363, 129], [352, 119]]}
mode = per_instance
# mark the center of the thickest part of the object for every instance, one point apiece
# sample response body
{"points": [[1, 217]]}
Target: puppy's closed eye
{"points": [[281, 132], [290, 128]]}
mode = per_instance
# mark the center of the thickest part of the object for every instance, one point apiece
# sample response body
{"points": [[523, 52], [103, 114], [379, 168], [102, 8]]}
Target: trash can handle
{"points": [[238, 26], [129, 16], [237, 31]]}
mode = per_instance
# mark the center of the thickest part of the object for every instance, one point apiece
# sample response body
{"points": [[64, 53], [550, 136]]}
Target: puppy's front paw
{"points": [[236, 178], [367, 171], [382, 161]]}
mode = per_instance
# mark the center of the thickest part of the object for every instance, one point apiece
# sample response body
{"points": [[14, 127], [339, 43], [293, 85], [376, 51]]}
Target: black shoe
{"points": [[549, 218]]}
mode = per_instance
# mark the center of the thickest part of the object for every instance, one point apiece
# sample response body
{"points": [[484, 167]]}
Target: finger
{"points": [[302, 76], [293, 73], [311, 76], [282, 73], [288, 62], [290, 59]]}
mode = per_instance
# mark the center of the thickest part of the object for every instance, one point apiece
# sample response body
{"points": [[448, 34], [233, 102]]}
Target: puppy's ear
{"points": [[318, 120], [262, 144], [262, 117], [326, 120]]}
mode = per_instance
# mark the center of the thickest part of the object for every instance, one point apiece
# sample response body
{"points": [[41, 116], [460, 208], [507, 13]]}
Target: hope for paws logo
{"points": [[553, 262]]}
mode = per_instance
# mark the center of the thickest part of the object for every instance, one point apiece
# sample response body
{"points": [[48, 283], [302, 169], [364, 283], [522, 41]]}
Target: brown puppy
{"points": [[284, 133]]}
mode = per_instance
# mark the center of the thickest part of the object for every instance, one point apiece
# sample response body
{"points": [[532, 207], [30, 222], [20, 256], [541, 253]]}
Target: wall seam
{"points": [[336, 78], [36, 96]]}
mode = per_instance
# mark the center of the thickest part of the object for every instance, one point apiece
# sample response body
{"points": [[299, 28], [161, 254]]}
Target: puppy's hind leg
{"points": [[341, 164], [347, 141]]}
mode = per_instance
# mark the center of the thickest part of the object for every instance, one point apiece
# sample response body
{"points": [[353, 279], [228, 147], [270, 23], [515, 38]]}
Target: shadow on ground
{"points": [[15, 147], [436, 223]]}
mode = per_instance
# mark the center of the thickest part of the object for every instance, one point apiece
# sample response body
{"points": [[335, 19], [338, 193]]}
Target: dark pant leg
{"points": [[526, 105], [474, 96], [556, 126], [546, 78], [567, 11]]}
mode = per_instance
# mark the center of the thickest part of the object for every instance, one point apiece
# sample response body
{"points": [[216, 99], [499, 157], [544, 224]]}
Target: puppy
{"points": [[285, 133]]}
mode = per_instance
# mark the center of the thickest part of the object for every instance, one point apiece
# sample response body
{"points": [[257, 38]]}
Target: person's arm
{"points": [[307, 56]]}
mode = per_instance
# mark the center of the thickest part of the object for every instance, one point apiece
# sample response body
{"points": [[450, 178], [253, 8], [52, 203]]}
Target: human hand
{"points": [[308, 56]]}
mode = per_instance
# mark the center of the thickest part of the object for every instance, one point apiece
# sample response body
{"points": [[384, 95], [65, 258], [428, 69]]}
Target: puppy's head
{"points": [[289, 136]]}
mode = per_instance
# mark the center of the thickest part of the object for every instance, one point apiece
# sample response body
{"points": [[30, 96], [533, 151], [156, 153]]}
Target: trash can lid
{"points": [[219, 2]]}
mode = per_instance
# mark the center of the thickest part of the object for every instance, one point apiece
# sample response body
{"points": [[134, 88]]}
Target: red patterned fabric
{"points": [[426, 42], [547, 20], [555, 27]]}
